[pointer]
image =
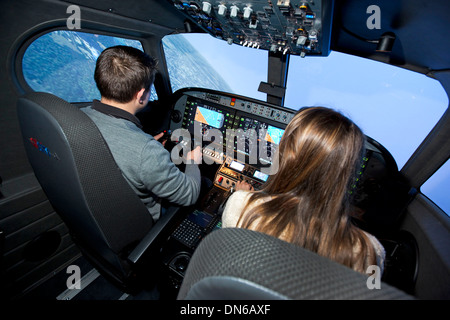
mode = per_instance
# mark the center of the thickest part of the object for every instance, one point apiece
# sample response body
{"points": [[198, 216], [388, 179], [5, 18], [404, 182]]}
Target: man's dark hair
{"points": [[122, 71]]}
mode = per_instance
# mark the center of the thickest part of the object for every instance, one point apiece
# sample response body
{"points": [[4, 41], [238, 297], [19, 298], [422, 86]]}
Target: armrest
{"points": [[163, 223]]}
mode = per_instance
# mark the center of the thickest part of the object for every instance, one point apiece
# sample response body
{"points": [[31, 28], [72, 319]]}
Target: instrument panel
{"points": [[248, 132], [204, 113], [230, 125], [231, 171], [238, 133]]}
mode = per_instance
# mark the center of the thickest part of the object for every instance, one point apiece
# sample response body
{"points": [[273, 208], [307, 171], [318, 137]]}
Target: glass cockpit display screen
{"points": [[237, 166], [209, 117], [244, 134], [205, 119], [255, 138], [261, 176], [274, 134]]}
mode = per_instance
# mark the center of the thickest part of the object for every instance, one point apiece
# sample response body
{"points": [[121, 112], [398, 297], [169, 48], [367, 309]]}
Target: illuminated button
{"points": [[220, 180]]}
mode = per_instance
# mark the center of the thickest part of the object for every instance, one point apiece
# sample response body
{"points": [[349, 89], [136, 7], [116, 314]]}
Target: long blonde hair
{"points": [[309, 199]]}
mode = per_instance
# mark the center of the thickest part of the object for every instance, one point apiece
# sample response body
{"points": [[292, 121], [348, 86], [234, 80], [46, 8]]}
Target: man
{"points": [[124, 76]]}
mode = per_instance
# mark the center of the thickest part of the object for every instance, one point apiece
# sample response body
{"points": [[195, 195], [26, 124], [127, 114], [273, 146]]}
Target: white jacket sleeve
{"points": [[233, 209]]}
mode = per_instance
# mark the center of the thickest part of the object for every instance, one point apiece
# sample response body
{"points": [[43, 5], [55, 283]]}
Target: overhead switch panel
{"points": [[288, 26]]}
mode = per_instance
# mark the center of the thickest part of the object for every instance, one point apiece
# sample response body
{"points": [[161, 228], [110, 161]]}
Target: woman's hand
{"points": [[242, 185]]}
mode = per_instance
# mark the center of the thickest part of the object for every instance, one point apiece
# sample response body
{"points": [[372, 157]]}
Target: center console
{"points": [[231, 171]]}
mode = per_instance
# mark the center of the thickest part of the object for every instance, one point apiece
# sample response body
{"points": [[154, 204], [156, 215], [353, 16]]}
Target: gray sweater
{"points": [[146, 164]]}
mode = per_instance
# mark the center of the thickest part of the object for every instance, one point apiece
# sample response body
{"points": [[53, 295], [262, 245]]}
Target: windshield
{"points": [[199, 60], [394, 106]]}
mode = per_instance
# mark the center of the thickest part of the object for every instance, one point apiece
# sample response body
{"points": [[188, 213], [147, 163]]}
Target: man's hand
{"points": [[195, 155], [159, 136]]}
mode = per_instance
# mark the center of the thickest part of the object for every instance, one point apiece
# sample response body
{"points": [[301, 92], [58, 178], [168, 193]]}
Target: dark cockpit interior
{"points": [[238, 134]]}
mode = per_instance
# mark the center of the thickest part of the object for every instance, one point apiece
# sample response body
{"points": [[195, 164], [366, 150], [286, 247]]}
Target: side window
{"points": [[63, 63], [436, 187]]}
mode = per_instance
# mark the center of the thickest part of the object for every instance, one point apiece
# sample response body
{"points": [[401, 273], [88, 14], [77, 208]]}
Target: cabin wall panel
{"points": [[26, 215], [25, 268], [42, 272], [21, 219], [17, 255], [431, 230]]}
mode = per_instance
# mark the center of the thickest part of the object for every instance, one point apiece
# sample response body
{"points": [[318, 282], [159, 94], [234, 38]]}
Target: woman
{"points": [[307, 202]]}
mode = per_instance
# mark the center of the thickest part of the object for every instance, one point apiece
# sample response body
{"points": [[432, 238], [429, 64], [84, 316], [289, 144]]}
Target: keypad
{"points": [[188, 233]]}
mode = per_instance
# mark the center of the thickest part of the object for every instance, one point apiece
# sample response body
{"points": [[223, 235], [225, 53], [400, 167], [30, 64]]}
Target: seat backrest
{"points": [[77, 171], [240, 264]]}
